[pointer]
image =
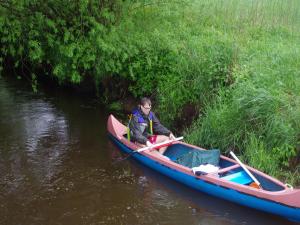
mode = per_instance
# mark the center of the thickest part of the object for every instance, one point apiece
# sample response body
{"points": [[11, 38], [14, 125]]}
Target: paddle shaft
{"points": [[246, 170], [159, 144], [150, 147]]}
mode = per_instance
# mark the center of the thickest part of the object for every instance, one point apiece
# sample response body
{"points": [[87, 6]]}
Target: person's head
{"points": [[145, 105]]}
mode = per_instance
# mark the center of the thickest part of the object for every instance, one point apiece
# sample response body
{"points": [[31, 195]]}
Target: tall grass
{"points": [[259, 113]]}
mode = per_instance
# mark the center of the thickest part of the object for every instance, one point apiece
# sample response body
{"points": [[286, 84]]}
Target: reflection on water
{"points": [[38, 129], [35, 137], [49, 147], [57, 167]]}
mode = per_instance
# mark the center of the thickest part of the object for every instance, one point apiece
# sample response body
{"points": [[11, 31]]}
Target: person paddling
{"points": [[145, 127]]}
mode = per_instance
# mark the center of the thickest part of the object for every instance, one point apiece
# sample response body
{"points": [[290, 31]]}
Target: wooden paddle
{"points": [[254, 184]]}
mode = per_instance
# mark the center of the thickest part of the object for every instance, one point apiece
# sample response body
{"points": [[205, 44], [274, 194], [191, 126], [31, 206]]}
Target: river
{"points": [[57, 166]]}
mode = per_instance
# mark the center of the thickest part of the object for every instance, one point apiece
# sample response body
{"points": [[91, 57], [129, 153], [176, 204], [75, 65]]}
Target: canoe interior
{"points": [[236, 174]]}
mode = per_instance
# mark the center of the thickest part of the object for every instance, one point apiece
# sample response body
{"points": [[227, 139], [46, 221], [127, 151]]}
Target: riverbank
{"points": [[224, 74]]}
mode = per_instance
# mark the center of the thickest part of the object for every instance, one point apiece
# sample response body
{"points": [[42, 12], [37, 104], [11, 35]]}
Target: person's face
{"points": [[146, 108]]}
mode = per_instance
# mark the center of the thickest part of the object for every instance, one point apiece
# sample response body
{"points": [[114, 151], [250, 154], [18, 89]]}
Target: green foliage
{"points": [[283, 155], [57, 34], [256, 154], [203, 68], [34, 82], [115, 106], [275, 162]]}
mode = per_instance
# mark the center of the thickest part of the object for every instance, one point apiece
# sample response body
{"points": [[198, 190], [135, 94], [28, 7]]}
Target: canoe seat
{"points": [[239, 177]]}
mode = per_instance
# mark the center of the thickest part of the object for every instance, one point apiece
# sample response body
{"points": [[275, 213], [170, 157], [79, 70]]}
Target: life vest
{"points": [[142, 122]]}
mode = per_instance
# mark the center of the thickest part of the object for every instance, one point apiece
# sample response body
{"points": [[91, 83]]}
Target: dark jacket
{"points": [[140, 126]]}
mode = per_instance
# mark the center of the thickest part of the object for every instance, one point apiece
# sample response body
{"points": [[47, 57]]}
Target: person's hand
{"points": [[171, 136], [149, 144]]}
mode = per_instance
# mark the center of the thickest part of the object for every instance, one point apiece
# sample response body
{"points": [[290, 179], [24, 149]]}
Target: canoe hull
{"points": [[217, 190]]}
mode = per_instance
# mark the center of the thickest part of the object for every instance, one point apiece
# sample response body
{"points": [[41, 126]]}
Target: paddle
{"points": [[256, 183], [162, 144]]}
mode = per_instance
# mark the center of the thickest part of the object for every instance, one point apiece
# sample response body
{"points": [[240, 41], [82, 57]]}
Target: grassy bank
{"points": [[258, 114], [226, 73]]}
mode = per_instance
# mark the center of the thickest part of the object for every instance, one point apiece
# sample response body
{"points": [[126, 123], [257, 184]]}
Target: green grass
{"points": [[259, 112]]}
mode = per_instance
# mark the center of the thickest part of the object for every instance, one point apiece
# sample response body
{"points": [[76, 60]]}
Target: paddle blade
{"points": [[255, 185]]}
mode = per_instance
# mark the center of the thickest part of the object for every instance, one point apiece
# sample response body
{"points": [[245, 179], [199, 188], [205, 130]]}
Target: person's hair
{"points": [[145, 100]]}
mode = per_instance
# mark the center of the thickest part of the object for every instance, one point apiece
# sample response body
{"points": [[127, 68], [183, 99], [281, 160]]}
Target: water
{"points": [[57, 167]]}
